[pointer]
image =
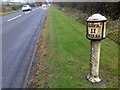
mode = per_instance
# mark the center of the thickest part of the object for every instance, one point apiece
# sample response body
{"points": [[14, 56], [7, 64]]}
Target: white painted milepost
{"points": [[96, 26]]}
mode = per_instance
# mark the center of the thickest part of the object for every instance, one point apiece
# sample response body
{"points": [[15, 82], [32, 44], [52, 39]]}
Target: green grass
{"points": [[68, 53]]}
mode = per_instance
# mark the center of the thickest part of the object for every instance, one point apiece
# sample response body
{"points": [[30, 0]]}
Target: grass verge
{"points": [[65, 62], [9, 12], [112, 25]]}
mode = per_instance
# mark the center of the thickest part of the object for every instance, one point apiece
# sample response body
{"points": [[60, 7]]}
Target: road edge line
{"points": [[31, 62]]}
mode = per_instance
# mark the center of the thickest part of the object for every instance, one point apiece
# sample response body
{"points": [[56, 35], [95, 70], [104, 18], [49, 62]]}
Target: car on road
{"points": [[44, 6], [26, 8]]}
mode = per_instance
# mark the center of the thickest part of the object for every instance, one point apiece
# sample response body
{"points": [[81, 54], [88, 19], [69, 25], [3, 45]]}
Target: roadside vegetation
{"points": [[63, 55], [7, 8], [82, 10]]}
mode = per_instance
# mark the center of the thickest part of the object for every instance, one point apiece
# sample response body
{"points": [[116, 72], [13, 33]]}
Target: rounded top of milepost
{"points": [[97, 17]]}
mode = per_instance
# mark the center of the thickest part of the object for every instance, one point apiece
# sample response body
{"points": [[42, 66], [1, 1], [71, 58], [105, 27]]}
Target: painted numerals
{"points": [[94, 30]]}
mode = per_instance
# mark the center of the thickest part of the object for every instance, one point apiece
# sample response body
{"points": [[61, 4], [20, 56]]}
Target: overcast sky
{"points": [[19, 0]]}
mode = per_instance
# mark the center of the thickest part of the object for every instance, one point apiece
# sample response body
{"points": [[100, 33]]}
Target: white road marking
{"points": [[27, 12], [14, 18]]}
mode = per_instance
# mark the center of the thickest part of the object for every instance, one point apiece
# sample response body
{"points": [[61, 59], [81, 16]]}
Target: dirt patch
{"points": [[37, 67]]}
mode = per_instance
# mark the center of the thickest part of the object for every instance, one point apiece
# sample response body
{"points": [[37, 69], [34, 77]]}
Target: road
{"points": [[19, 36]]}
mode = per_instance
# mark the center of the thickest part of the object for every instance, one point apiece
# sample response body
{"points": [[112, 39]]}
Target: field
{"points": [[65, 62]]}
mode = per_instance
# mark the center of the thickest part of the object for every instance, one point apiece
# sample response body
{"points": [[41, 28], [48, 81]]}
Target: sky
{"points": [[19, 0], [65, 0]]}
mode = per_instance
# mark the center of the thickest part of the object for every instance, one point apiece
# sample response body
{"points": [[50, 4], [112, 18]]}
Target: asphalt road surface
{"points": [[19, 36]]}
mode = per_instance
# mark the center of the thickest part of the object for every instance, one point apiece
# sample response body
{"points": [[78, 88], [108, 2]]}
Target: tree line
{"points": [[109, 9]]}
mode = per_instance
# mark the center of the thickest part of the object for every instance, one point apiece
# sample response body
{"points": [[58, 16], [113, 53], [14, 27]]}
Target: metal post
{"points": [[94, 62]]}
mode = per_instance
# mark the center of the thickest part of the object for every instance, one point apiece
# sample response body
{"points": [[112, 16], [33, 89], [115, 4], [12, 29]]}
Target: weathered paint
{"points": [[94, 62]]}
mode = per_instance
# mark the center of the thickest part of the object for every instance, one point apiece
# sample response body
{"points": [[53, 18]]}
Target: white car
{"points": [[44, 6], [26, 8]]}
